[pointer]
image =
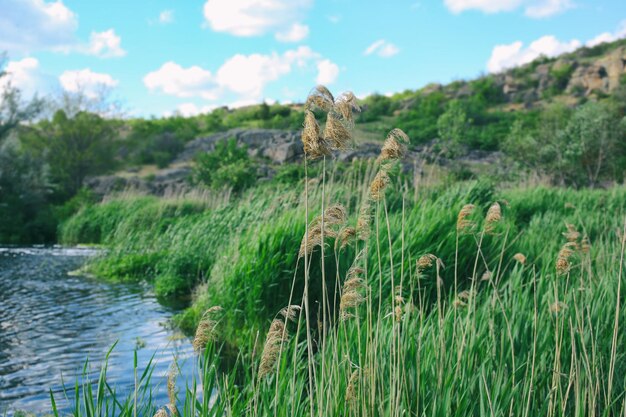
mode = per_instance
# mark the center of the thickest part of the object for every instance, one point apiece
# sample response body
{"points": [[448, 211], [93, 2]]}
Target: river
{"points": [[52, 321]]}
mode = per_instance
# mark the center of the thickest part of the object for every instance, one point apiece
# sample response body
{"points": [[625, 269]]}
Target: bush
{"points": [[228, 166]]}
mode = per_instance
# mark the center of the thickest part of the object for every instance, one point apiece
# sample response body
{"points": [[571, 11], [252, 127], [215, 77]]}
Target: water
{"points": [[51, 322]]}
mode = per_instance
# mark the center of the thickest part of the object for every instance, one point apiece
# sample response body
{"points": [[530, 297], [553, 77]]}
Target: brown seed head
{"points": [[558, 307], [363, 221], [425, 262], [379, 184], [161, 413], [520, 257], [494, 215], [314, 145], [572, 235], [171, 388], [207, 328], [353, 385], [271, 350], [395, 146], [346, 235], [463, 223], [336, 133], [320, 97], [346, 105], [290, 312]]}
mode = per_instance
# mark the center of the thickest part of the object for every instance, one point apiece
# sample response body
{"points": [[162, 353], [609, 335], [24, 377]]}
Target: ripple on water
{"points": [[51, 322]]}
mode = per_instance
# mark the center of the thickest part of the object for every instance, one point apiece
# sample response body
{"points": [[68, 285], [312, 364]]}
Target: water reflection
{"points": [[51, 322]]}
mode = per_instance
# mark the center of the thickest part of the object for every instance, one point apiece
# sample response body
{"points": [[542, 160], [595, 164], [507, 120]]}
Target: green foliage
{"points": [[419, 121], [376, 106], [452, 126], [227, 166], [581, 149]]}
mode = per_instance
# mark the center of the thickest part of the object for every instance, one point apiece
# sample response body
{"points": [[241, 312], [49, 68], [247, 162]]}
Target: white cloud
{"points": [[532, 8], [190, 109], [104, 45], [253, 17], [245, 76], [91, 84], [514, 54], [382, 48], [295, 33], [175, 80], [23, 75], [32, 25], [28, 25], [166, 16], [327, 72], [608, 36]]}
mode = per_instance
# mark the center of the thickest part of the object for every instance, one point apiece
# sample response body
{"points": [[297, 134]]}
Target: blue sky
{"points": [[162, 56]]}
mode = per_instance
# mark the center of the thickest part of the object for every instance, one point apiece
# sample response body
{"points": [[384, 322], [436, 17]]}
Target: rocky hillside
{"points": [[492, 104]]}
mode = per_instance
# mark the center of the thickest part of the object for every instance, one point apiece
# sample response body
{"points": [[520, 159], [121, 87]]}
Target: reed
{"points": [[412, 303]]}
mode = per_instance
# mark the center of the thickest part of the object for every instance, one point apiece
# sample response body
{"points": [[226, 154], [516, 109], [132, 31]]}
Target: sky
{"points": [[159, 57]]}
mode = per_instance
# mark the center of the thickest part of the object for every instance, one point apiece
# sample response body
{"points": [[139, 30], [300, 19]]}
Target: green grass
{"points": [[476, 344]]}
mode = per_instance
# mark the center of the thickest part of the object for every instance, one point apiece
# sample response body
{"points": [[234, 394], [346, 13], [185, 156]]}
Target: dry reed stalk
{"points": [[395, 146], [463, 223], [346, 235], [351, 292], [314, 144], [520, 257], [494, 215], [558, 307], [353, 386], [426, 261], [363, 221], [171, 388], [276, 336], [379, 184], [346, 105], [333, 216], [563, 264], [161, 413], [207, 329], [320, 97], [585, 245], [486, 276], [336, 133]]}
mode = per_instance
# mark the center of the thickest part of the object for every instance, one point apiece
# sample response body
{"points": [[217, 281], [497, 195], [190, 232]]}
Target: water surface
{"points": [[51, 322]]}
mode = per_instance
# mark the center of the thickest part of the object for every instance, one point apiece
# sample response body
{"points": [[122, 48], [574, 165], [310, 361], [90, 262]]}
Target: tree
{"points": [[580, 148], [76, 147], [452, 126]]}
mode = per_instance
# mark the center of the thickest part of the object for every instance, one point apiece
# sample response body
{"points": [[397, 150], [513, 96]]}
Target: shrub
{"points": [[228, 166]]}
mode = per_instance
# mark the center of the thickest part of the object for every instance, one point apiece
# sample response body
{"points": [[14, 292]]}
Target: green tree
{"points": [[76, 147], [452, 126]]}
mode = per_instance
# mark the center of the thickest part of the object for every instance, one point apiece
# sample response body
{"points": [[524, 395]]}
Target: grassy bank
{"points": [[365, 291], [500, 335]]}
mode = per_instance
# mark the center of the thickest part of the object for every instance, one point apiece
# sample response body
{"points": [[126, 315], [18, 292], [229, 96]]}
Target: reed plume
{"points": [[520, 257], [320, 97], [276, 336], [336, 133], [351, 296], [353, 386], [572, 235], [426, 261], [395, 146], [334, 215], [463, 223], [494, 215], [315, 146], [363, 228], [207, 328], [379, 184], [171, 388], [346, 105], [558, 307], [161, 413], [563, 264], [346, 235]]}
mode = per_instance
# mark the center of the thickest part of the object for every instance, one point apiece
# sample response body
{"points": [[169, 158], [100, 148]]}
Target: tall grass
{"points": [[392, 304]]}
